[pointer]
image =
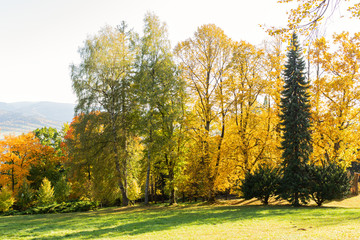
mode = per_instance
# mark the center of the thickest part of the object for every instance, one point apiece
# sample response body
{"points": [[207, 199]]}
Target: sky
{"points": [[40, 38]]}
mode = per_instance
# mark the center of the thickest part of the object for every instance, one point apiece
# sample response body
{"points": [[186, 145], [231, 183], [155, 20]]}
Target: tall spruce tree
{"points": [[295, 116]]}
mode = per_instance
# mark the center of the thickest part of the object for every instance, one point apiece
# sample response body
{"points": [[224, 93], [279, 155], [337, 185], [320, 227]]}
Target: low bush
{"points": [[261, 184], [78, 206], [328, 182], [6, 199]]}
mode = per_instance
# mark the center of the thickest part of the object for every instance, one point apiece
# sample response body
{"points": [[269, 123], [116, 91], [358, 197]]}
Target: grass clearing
{"points": [[230, 220]]}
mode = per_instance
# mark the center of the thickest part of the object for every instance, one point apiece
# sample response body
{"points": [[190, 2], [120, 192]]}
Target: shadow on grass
{"points": [[134, 221]]}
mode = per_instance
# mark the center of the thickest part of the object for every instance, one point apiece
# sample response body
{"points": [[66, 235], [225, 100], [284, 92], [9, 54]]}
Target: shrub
{"points": [[261, 184], [25, 196], [6, 199], [78, 206], [62, 190], [45, 194], [328, 182]]}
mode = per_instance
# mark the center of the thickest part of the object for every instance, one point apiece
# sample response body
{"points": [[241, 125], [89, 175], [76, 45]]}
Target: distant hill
{"points": [[23, 117]]}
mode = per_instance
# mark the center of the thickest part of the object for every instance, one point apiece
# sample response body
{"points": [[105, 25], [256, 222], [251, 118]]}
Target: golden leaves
{"points": [[337, 96], [308, 15]]}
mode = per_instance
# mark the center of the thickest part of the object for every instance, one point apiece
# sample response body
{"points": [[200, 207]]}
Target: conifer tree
{"points": [[295, 121], [25, 196], [45, 193], [62, 190]]}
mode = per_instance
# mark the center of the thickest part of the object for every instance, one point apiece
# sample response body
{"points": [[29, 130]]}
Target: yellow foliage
{"points": [[336, 96], [234, 90]]}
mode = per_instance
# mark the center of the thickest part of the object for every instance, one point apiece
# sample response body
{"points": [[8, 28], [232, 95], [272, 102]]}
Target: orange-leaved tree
{"points": [[17, 155]]}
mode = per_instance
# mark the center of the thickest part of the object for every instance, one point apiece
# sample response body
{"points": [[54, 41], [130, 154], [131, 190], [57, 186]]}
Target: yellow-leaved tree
{"points": [[308, 15], [204, 60], [336, 95], [253, 122]]}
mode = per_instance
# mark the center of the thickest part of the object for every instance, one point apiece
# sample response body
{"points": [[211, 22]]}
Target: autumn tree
{"points": [[295, 121], [204, 60], [336, 97], [18, 154], [309, 15], [102, 82], [91, 169], [252, 117], [274, 66], [161, 94]]}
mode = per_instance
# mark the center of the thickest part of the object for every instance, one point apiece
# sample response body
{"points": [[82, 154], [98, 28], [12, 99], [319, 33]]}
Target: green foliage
{"points": [[78, 206], [49, 169], [93, 169], [49, 137], [6, 199], [62, 190], [25, 196], [103, 82], [295, 122], [104, 187], [261, 184], [328, 182], [134, 190], [50, 164], [45, 194], [160, 91]]}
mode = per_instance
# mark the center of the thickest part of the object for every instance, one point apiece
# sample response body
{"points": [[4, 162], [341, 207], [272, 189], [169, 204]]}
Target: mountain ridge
{"points": [[23, 117]]}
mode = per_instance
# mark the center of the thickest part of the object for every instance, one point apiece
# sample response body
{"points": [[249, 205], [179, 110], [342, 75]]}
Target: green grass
{"points": [[189, 222]]}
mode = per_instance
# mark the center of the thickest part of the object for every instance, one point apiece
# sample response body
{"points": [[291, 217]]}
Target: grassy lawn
{"points": [[233, 220]]}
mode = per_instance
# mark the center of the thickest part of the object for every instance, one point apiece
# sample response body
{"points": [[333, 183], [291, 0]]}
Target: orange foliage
{"points": [[17, 155]]}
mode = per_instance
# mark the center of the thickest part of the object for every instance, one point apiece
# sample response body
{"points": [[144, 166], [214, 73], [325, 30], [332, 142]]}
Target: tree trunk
{"points": [[12, 180], [153, 189], [296, 200], [147, 180], [125, 200], [212, 194], [172, 199]]}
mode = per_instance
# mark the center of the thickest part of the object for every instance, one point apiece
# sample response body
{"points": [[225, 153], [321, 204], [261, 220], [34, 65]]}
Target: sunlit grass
{"points": [[191, 221]]}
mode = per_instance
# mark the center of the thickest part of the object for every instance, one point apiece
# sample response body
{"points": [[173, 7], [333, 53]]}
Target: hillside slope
{"points": [[23, 117]]}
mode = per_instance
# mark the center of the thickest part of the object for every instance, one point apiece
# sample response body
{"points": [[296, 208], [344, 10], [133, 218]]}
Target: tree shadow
{"points": [[137, 220], [156, 220]]}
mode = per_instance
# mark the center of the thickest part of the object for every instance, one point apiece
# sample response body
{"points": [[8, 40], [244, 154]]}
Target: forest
{"points": [[211, 117]]}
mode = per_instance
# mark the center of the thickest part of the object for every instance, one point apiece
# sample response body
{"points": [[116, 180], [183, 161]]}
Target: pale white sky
{"points": [[39, 38]]}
